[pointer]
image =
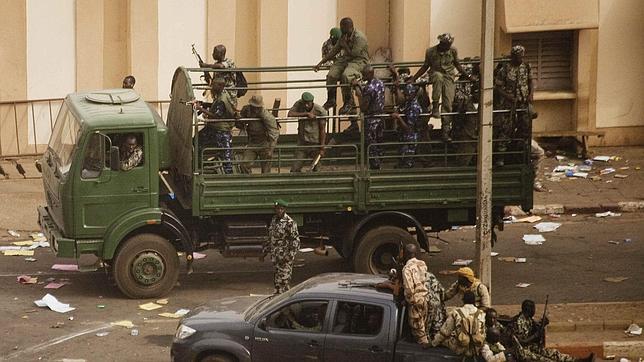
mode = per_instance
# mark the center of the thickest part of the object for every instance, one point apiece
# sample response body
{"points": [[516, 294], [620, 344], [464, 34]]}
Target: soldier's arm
{"points": [[132, 161], [485, 296], [271, 128], [294, 111], [336, 49], [446, 330], [451, 292], [359, 46], [499, 82], [422, 69], [457, 63], [322, 127]]}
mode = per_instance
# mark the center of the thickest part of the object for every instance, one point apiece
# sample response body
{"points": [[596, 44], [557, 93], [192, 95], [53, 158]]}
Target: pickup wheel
{"points": [[377, 248], [146, 266], [218, 357]]}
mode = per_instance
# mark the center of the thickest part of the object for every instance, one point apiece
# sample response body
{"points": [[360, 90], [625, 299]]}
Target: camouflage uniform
{"points": [[448, 334], [435, 305], [442, 72], [348, 66], [514, 80], [411, 110], [218, 134], [374, 92], [493, 352], [523, 327], [414, 275], [131, 158], [327, 47], [466, 125], [261, 133], [230, 78], [308, 134], [283, 243], [479, 289]]}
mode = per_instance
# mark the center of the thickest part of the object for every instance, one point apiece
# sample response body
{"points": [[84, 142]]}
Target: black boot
{"points": [[331, 96]]}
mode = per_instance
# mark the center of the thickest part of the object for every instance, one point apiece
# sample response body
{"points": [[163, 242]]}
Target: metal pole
{"points": [[484, 159]]}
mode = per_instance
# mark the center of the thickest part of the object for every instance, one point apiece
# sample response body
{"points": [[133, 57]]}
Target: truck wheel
{"points": [[146, 266], [377, 247]]}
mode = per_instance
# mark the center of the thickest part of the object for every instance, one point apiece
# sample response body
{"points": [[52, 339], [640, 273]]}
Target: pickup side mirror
{"points": [[115, 159], [262, 324]]}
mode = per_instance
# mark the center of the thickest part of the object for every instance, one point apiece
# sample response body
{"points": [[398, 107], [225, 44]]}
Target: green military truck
{"points": [[177, 199]]}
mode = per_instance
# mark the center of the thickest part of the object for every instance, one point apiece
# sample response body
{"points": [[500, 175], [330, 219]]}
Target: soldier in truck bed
{"points": [[262, 134]]}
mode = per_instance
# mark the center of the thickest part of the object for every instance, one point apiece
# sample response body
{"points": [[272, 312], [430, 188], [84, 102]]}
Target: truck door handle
{"points": [[313, 344], [140, 189], [375, 349]]}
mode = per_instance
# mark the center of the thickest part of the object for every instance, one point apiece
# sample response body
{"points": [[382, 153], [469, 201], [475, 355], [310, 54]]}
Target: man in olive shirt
{"points": [[442, 62], [311, 130], [262, 134], [347, 67], [218, 132]]}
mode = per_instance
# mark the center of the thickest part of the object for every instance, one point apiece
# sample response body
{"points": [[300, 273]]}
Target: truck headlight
{"points": [[184, 332]]}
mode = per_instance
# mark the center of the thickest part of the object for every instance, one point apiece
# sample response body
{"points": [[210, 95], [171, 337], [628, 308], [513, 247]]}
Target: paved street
{"points": [[570, 266]]}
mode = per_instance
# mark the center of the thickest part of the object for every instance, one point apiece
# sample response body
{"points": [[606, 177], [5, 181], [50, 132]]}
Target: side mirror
{"points": [[262, 324], [115, 159]]}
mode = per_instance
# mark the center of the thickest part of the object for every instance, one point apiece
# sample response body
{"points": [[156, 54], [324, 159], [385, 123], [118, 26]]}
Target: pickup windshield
{"points": [[63, 138]]}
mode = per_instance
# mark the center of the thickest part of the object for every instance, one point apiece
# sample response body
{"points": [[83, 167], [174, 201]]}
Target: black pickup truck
{"points": [[331, 317]]}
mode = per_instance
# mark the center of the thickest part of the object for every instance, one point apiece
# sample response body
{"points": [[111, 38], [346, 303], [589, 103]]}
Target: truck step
{"points": [[245, 229], [242, 251], [245, 240]]}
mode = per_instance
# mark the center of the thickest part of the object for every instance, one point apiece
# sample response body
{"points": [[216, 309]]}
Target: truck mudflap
{"points": [[172, 223], [61, 246]]}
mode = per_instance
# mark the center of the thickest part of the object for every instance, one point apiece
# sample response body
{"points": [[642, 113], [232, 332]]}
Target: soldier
{"points": [[409, 126], [468, 282], [347, 67], [435, 305], [414, 275], [221, 62], [131, 153], [129, 82], [466, 125], [218, 133], [529, 334], [327, 46], [372, 102], [441, 60], [493, 350], [262, 134], [282, 244], [311, 130], [464, 329], [514, 87]]}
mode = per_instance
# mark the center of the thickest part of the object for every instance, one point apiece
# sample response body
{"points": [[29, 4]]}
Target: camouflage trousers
{"points": [[408, 149], [224, 140], [538, 354], [374, 134], [436, 315], [282, 275], [417, 315]]}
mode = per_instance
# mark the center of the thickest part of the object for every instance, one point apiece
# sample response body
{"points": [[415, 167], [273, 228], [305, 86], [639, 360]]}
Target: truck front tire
{"points": [[377, 247], [146, 266]]}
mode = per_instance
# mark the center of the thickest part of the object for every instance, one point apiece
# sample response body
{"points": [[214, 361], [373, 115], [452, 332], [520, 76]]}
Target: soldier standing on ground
{"points": [[262, 134], [442, 62], [218, 133], [282, 245], [468, 282], [347, 67], [311, 130], [221, 62], [372, 103], [329, 44]]}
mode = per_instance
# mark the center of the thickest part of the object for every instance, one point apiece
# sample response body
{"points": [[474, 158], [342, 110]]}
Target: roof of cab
{"points": [[111, 108], [345, 285]]}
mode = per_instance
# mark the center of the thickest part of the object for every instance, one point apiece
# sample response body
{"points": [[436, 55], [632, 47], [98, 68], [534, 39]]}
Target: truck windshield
{"points": [[63, 138]]}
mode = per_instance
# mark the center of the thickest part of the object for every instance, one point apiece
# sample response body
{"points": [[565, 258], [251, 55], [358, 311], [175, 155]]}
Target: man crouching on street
{"points": [[283, 243]]}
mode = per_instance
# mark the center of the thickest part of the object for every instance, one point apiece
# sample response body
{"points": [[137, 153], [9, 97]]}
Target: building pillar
{"points": [[584, 109], [409, 30], [89, 44], [143, 46], [272, 33], [221, 24]]}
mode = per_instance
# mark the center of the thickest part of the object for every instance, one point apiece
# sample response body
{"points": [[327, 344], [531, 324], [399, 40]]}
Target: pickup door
{"points": [[360, 331]]}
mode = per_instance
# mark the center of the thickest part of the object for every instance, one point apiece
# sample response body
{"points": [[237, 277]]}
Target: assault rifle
{"points": [[206, 75], [542, 332]]}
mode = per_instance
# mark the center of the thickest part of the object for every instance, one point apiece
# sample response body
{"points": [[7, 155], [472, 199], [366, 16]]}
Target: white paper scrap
{"points": [[50, 301], [607, 213], [601, 158], [520, 260], [306, 250], [523, 285], [494, 253], [533, 239], [634, 330], [462, 262], [545, 227]]}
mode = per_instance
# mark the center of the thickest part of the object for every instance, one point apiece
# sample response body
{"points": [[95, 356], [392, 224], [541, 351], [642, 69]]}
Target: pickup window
{"points": [[357, 319], [301, 316]]}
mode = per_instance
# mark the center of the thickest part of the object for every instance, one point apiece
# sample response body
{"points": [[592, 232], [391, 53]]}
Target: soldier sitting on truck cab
{"points": [[131, 153]]}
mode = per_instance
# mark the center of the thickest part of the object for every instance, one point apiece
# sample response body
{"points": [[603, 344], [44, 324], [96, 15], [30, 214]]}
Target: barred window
{"points": [[550, 56]]}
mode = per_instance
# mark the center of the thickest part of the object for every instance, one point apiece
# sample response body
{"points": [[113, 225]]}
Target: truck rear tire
{"points": [[146, 266], [377, 247]]}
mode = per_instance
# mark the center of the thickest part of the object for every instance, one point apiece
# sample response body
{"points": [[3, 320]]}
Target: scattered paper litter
{"points": [[601, 158], [523, 285], [560, 158], [54, 285], [65, 267], [606, 171], [494, 253], [530, 219], [18, 252], [580, 174], [634, 330], [198, 256], [10, 247], [462, 262], [507, 258], [533, 239], [613, 242], [26, 279], [545, 227], [50, 301], [30, 259], [13, 233], [178, 314], [615, 279], [607, 213], [434, 249], [520, 260], [617, 175], [124, 323], [38, 244], [163, 301], [102, 334], [306, 250], [149, 306], [23, 243]]}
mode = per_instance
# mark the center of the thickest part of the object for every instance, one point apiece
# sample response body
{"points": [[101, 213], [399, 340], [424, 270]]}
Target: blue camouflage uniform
{"points": [[374, 93], [218, 133], [412, 110]]}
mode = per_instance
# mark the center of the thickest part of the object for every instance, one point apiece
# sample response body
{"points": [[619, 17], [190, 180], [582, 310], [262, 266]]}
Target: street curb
{"points": [[622, 206]]}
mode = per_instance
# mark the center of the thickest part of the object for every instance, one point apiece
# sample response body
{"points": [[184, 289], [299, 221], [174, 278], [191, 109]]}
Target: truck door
{"points": [[295, 332], [103, 194], [359, 332]]}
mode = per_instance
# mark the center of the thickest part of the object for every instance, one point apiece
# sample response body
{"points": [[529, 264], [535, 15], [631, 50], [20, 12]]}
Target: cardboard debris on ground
{"points": [[545, 227], [617, 175], [523, 285], [163, 301], [607, 214], [601, 158], [530, 219], [124, 323], [18, 252], [607, 171], [462, 262], [615, 279], [533, 239], [10, 247], [634, 330], [198, 256], [54, 285], [26, 279], [65, 267], [13, 233], [38, 244], [520, 260], [52, 303], [23, 243], [178, 314], [507, 258], [149, 306]]}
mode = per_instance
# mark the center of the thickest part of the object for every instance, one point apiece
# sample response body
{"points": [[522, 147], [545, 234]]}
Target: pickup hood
{"points": [[225, 310]]}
